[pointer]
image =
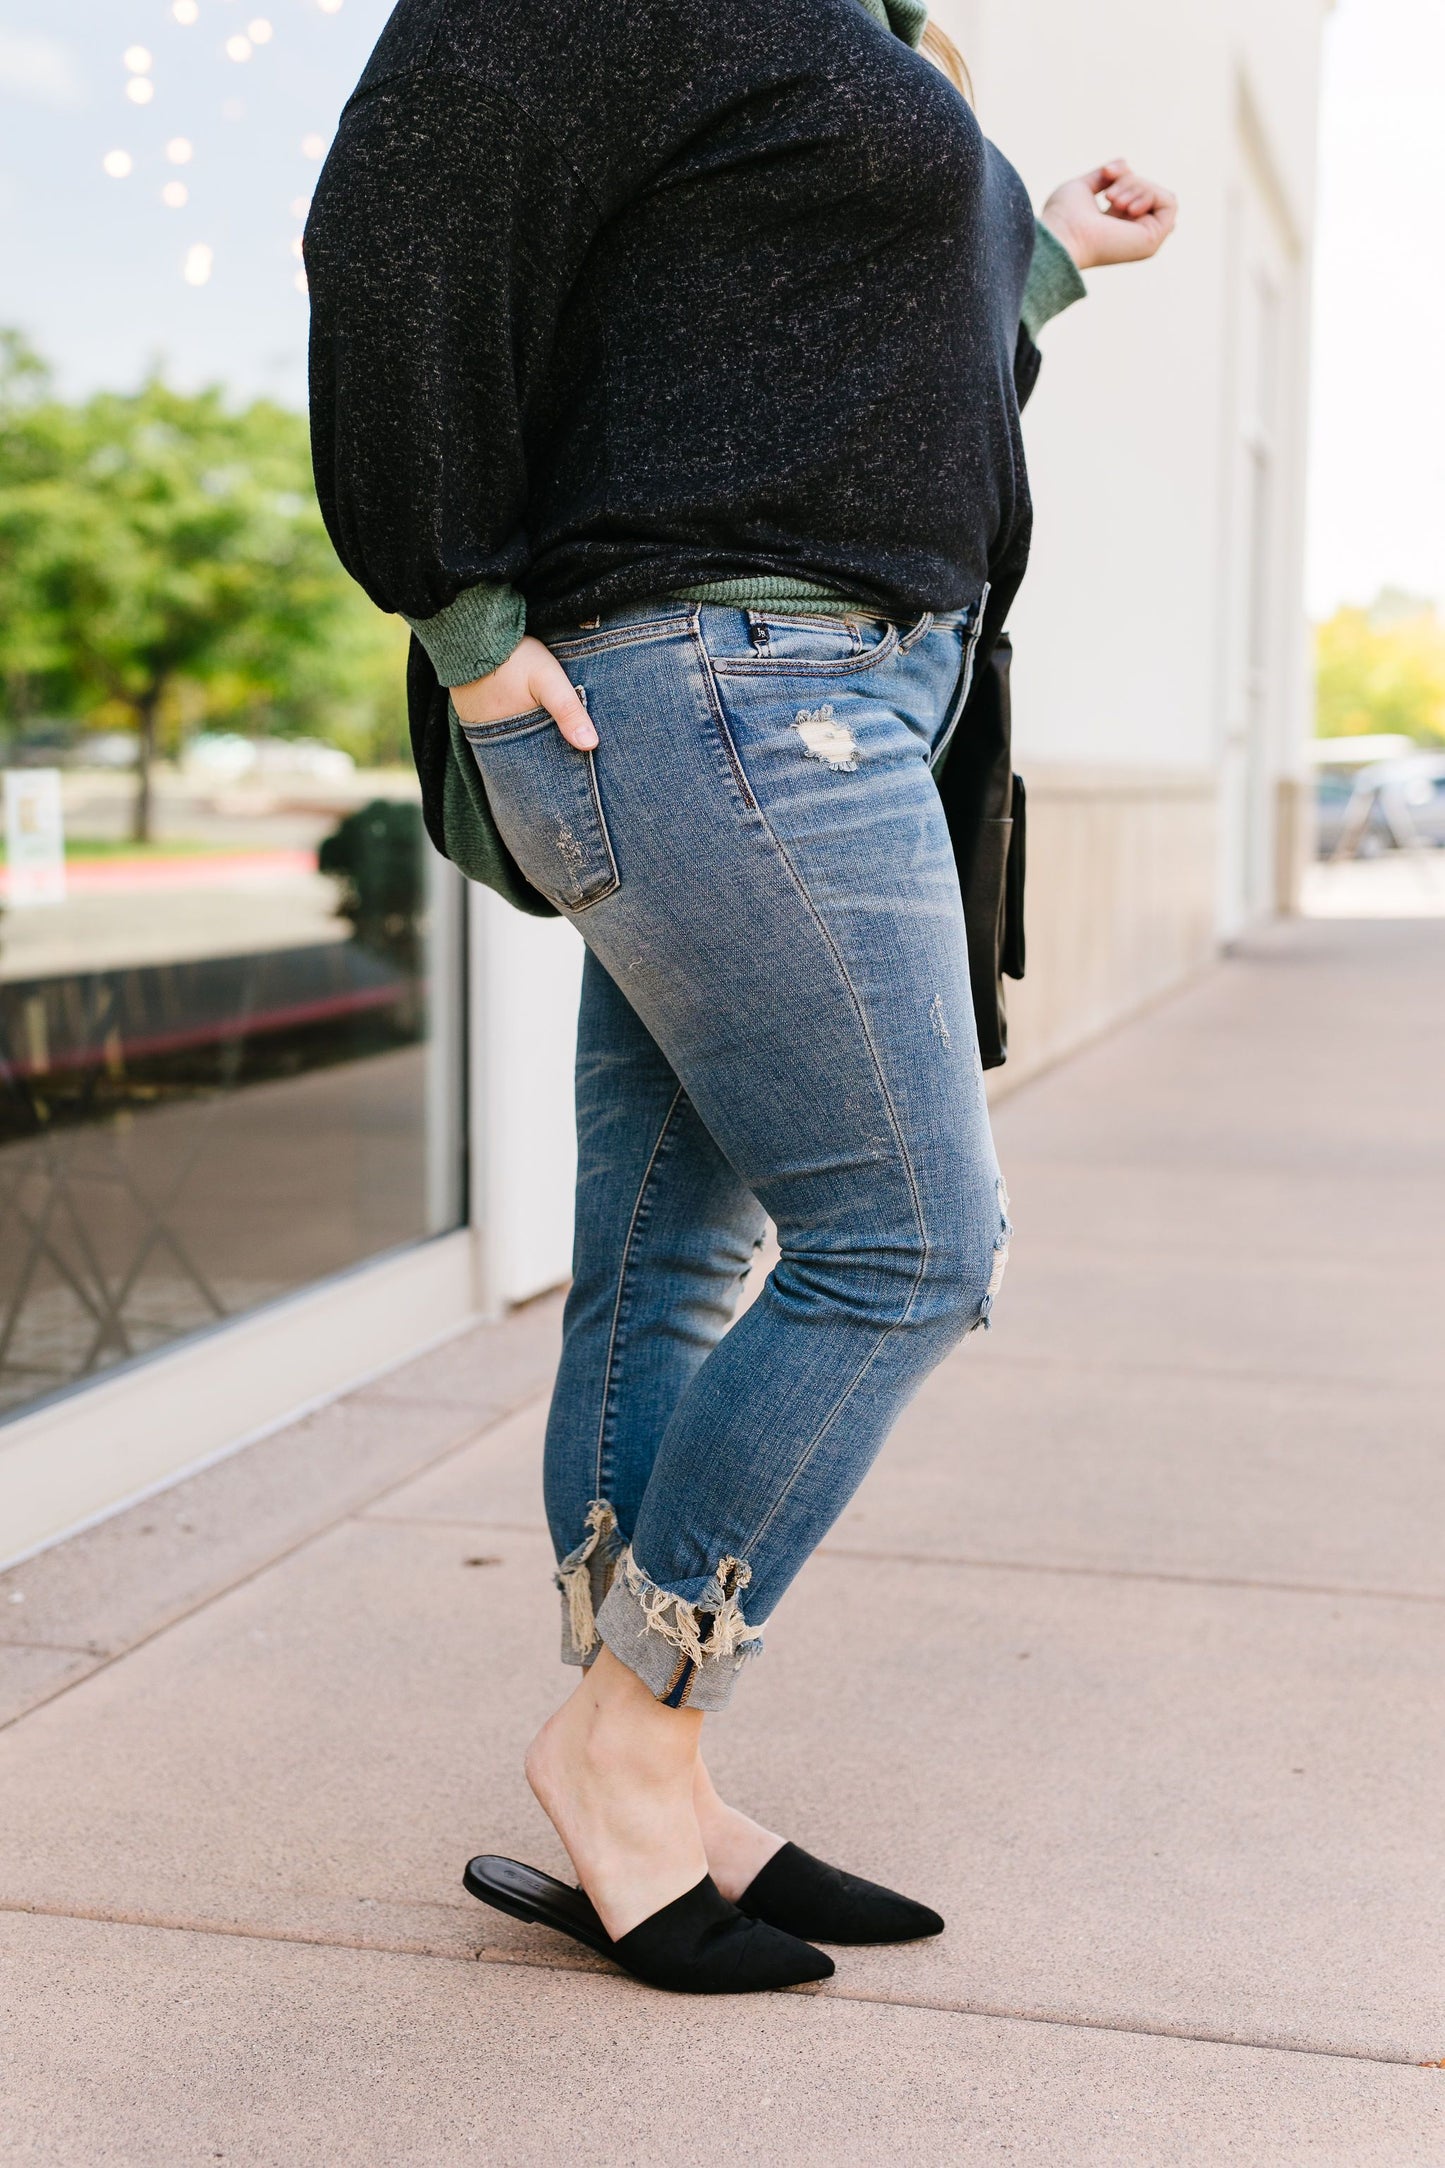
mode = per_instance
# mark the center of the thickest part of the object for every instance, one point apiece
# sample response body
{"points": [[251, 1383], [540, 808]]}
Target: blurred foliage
{"points": [[375, 855], [164, 567], [1382, 669]]}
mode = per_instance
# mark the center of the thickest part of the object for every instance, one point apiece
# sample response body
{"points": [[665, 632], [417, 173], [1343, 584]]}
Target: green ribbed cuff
{"points": [[1054, 281], [474, 635], [907, 19]]}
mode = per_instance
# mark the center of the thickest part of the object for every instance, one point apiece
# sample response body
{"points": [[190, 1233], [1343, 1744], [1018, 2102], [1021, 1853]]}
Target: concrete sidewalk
{"points": [[1130, 1655]]}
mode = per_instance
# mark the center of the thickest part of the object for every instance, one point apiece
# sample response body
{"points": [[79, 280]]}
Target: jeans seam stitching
{"points": [[801, 1464], [794, 618], [734, 758], [519, 725], [646, 632], [628, 1249], [855, 665], [780, 847], [589, 903]]}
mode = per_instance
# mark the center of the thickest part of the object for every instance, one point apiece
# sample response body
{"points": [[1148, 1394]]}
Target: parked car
{"points": [[1394, 804], [225, 756]]}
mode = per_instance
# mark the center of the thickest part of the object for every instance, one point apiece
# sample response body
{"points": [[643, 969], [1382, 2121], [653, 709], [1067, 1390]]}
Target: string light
{"points": [[198, 261]]}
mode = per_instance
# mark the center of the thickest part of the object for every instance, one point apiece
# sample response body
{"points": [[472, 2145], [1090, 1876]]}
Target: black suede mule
{"points": [[697, 1945], [806, 1897]]}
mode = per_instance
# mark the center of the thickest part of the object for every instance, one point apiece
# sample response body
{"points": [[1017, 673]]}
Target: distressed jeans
{"points": [[776, 1023]]}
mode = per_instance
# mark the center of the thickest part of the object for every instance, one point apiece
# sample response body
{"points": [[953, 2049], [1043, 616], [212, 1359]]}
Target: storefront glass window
{"points": [[230, 963]]}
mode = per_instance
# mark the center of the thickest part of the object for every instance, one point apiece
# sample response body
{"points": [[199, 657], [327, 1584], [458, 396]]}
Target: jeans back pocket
{"points": [[544, 798]]}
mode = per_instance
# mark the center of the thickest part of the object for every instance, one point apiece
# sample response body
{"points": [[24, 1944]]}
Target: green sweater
{"points": [[475, 634]]}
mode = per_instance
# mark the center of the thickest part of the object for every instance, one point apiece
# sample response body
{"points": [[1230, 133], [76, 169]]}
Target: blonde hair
{"points": [[944, 54]]}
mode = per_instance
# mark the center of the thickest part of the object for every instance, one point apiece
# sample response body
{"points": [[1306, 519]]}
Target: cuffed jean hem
{"points": [[687, 1655], [583, 1579]]}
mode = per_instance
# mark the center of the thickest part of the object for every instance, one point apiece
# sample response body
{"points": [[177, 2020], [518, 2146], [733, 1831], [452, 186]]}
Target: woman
{"points": [[666, 367]]}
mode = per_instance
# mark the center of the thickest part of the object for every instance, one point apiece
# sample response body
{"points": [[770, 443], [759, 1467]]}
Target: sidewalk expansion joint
{"points": [[1161, 1575], [1132, 1573], [1004, 2013], [1132, 2028], [1318, 1382], [470, 1526]]}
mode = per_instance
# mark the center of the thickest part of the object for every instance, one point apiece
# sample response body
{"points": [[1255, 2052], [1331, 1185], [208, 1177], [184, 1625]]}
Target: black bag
{"points": [[985, 806]]}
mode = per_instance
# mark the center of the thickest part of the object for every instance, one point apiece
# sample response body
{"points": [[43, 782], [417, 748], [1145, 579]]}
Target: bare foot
{"points": [[613, 1772], [737, 1849]]}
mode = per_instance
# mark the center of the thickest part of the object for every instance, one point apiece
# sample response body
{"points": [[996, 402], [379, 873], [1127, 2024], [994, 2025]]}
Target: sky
{"points": [[93, 266], [1377, 484]]}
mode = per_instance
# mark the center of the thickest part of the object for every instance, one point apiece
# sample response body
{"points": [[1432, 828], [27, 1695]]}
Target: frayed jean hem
{"points": [[687, 1654]]}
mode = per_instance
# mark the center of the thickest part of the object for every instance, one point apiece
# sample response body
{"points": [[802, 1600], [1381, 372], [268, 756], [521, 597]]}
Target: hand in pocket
{"points": [[529, 679]]}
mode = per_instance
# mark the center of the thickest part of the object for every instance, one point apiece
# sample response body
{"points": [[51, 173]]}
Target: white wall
{"points": [[1124, 626], [525, 976]]}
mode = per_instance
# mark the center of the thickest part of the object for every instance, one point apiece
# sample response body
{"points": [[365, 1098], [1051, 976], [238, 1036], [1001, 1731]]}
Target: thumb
{"points": [[553, 690]]}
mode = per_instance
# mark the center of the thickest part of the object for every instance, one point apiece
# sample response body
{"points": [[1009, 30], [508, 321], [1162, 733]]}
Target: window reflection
{"points": [[217, 1059], [230, 964]]}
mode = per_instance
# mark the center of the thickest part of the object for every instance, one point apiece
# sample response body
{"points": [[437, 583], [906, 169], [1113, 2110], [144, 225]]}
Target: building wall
{"points": [[1120, 903], [1161, 627]]}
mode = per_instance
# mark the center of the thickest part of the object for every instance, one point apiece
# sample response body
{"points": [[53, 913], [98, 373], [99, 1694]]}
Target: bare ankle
{"points": [[622, 1719], [737, 1847], [613, 1771], [612, 1734]]}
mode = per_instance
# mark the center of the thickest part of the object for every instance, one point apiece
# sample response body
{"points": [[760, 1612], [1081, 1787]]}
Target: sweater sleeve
{"points": [[443, 243], [474, 635], [1054, 281]]}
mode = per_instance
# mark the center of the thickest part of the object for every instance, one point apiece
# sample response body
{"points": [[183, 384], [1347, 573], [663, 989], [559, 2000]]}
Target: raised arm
{"points": [[1077, 232], [1112, 215]]}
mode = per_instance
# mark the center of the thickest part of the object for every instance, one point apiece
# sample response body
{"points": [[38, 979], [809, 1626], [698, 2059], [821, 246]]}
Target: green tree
{"points": [[28, 653], [1381, 670], [163, 560]]}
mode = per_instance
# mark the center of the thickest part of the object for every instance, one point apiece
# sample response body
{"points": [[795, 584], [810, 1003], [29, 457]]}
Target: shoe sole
{"points": [[537, 1899]]}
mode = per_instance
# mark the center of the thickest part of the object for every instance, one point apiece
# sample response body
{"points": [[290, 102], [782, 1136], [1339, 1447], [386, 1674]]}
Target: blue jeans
{"points": [[776, 1021]]}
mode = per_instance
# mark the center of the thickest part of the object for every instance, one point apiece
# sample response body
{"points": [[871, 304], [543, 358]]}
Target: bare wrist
{"points": [[1058, 224]]}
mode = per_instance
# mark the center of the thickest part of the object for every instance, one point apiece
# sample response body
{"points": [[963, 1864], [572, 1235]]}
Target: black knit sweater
{"points": [[612, 298]]}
